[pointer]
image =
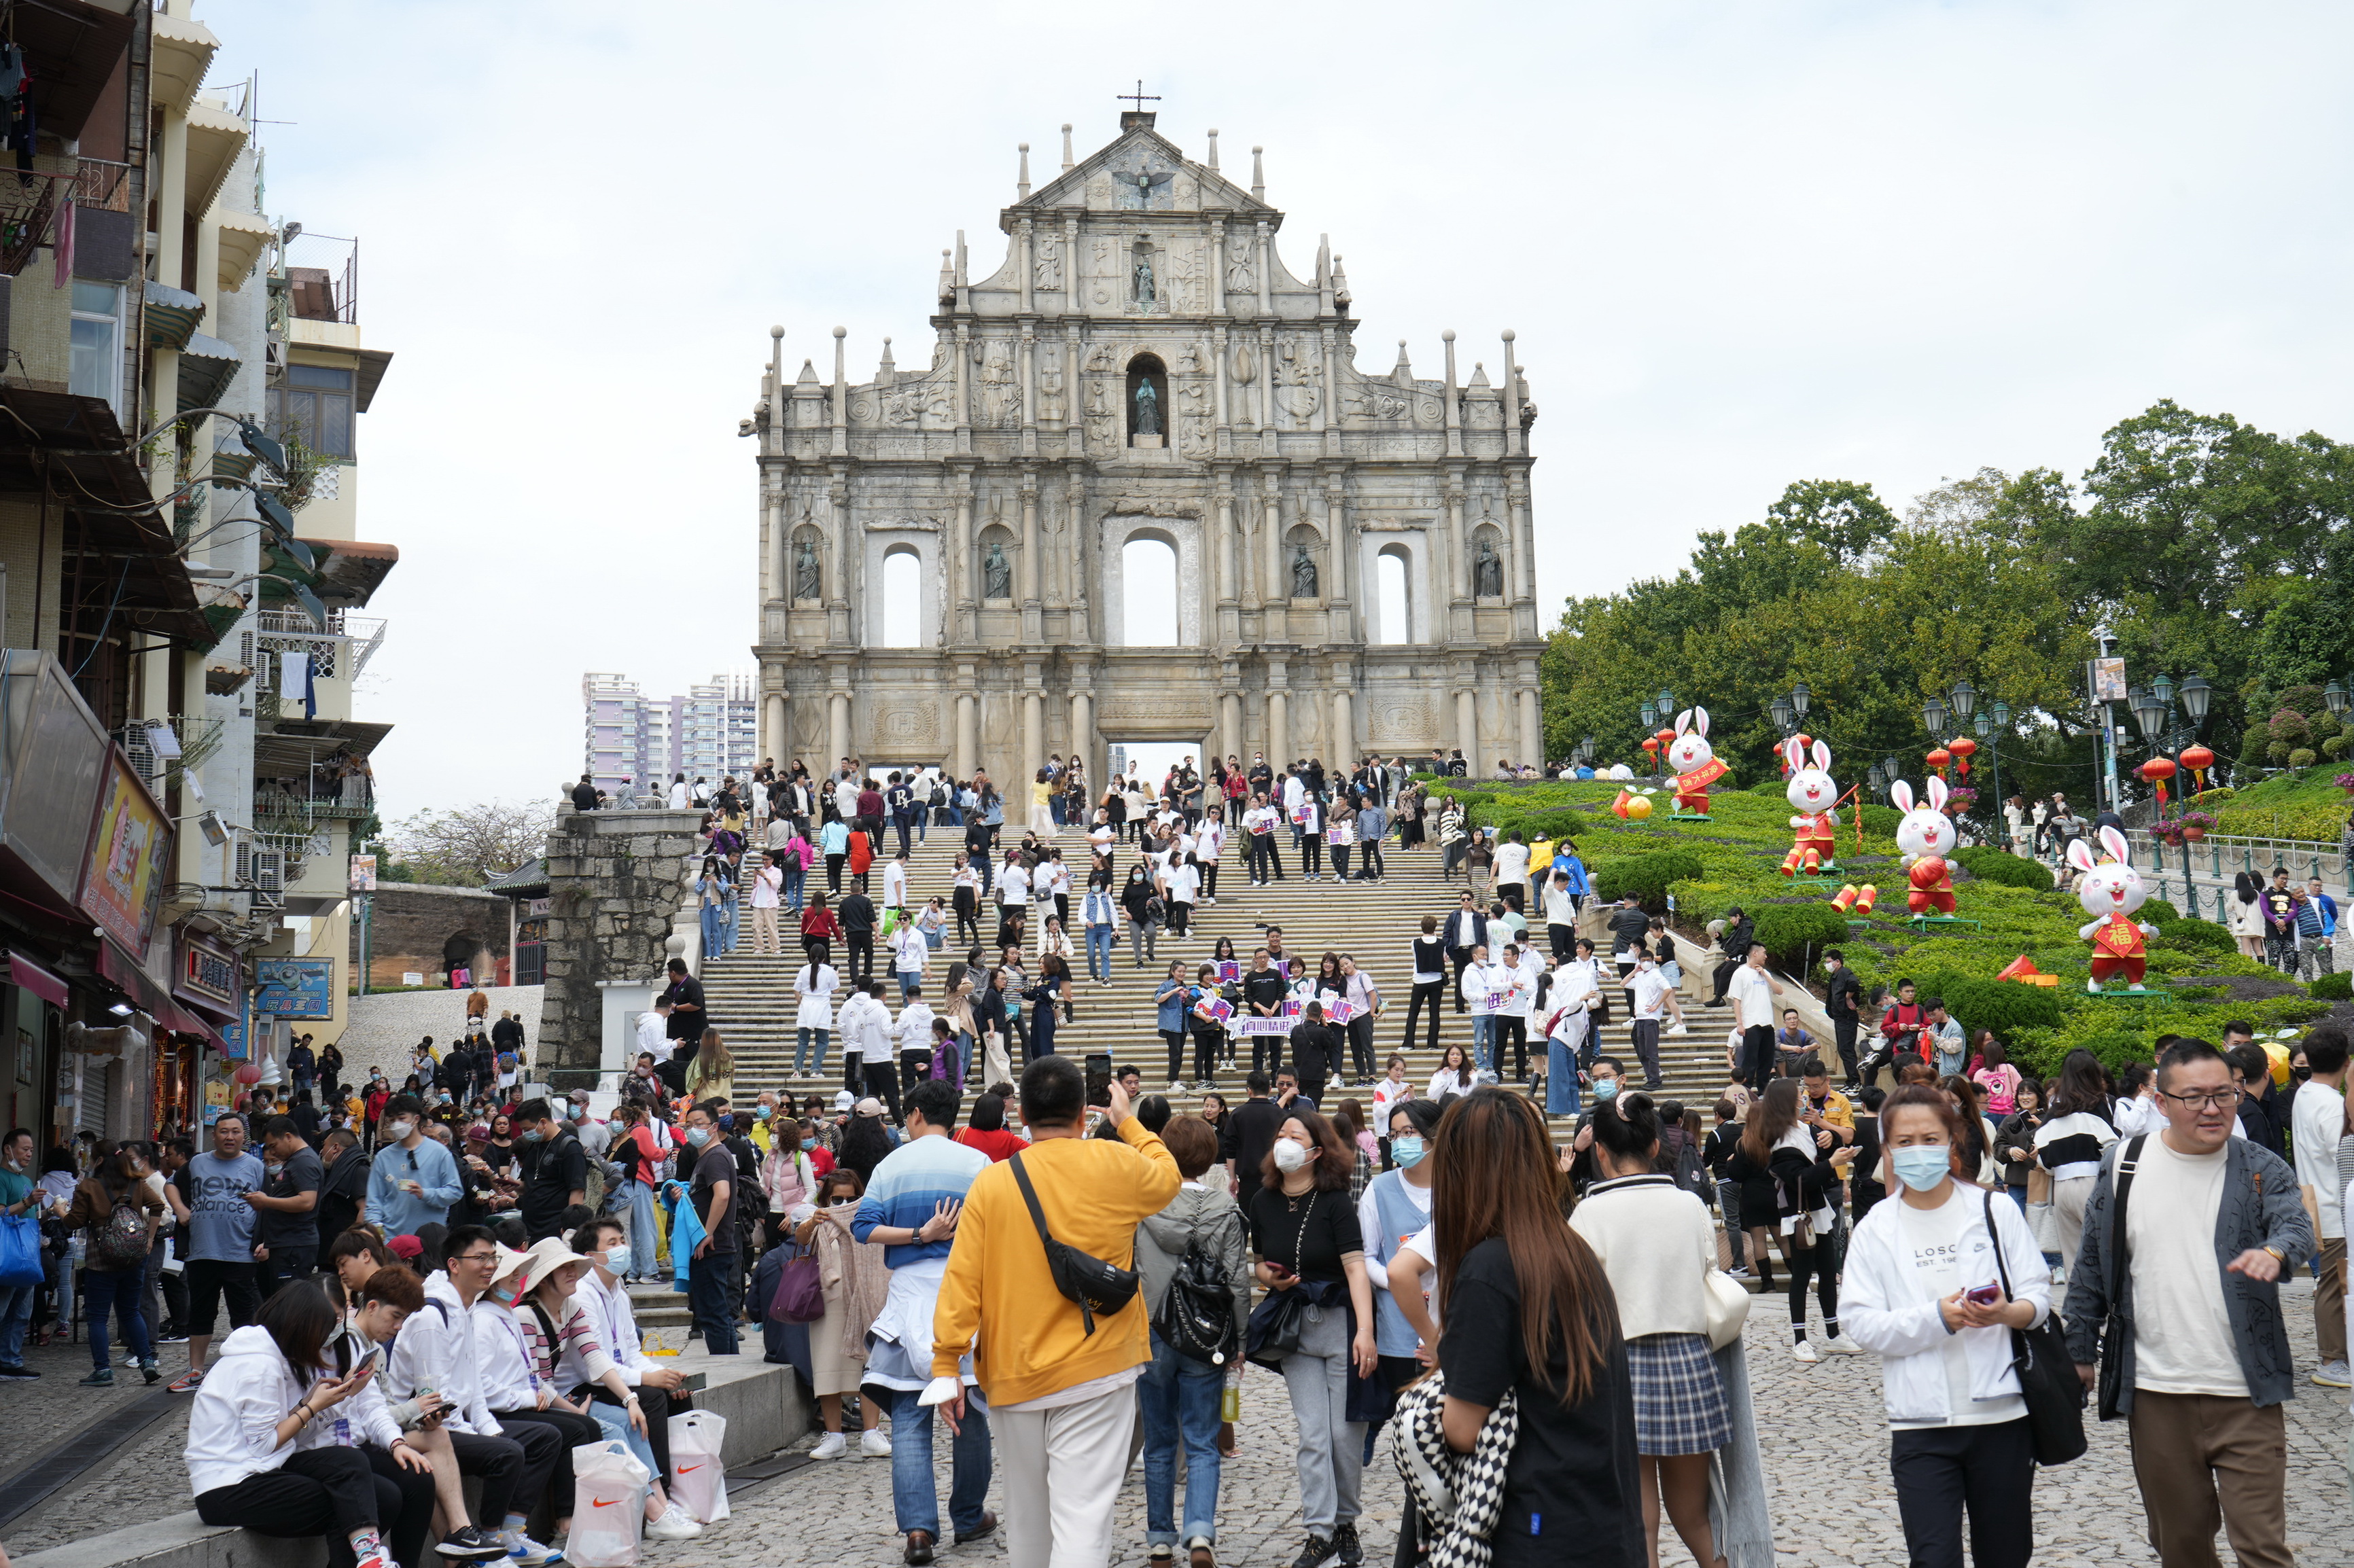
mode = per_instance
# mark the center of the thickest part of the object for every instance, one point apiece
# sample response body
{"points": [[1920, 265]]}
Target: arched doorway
{"points": [[1147, 571], [903, 597], [1392, 600]]}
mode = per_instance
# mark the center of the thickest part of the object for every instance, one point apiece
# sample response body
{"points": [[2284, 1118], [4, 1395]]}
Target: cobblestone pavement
{"points": [[386, 1028], [1826, 1461]]}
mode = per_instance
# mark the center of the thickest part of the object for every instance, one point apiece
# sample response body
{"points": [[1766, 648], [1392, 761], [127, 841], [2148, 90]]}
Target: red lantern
{"points": [[1963, 748], [1937, 759], [2157, 770], [1651, 743], [1803, 741], [248, 1073], [2199, 759]]}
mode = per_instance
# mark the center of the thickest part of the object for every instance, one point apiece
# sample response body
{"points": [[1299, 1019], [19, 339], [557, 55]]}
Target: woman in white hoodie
{"points": [[247, 1463], [1935, 1284]]}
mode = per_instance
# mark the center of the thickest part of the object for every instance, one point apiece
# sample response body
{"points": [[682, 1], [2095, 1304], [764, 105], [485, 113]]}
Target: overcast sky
{"points": [[1741, 245]]}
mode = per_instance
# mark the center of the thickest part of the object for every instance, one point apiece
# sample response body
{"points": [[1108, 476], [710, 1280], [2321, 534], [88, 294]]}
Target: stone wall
{"points": [[416, 927], [616, 880]]}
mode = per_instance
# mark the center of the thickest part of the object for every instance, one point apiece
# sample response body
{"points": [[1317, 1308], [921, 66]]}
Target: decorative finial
{"points": [[1447, 336], [776, 331], [1021, 185], [841, 332], [1066, 149], [1509, 335], [1259, 175], [1214, 146]]}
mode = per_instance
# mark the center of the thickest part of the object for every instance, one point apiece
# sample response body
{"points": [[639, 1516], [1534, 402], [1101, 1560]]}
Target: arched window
{"points": [[903, 598], [1148, 576], [1147, 412], [1303, 563], [994, 573], [1393, 611]]}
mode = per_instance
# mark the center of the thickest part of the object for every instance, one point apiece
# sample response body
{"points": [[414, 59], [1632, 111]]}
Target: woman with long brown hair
{"points": [[1780, 1163], [1527, 1310]]}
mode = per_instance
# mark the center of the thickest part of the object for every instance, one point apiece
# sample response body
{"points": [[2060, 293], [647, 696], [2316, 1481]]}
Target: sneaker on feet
{"points": [[102, 1378], [148, 1370], [1344, 1541], [172, 1335], [187, 1382], [1200, 1554], [380, 1558], [2333, 1374], [1840, 1345], [17, 1368], [526, 1552], [830, 1447], [1805, 1352], [674, 1525], [1315, 1554], [470, 1541], [874, 1445]]}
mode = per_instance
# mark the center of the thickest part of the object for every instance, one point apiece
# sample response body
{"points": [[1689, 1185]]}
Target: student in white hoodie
{"points": [[520, 1398], [1959, 1419], [435, 1355], [248, 1466]]}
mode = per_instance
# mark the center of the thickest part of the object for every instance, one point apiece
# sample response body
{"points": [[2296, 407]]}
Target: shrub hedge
{"points": [[1647, 877], [2197, 935], [2334, 987], [1998, 865]]}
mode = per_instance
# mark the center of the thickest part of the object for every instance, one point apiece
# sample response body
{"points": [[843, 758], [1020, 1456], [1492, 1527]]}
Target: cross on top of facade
{"points": [[1139, 97]]}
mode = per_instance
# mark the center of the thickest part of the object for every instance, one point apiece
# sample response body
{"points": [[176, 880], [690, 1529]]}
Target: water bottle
{"points": [[1230, 1403]]}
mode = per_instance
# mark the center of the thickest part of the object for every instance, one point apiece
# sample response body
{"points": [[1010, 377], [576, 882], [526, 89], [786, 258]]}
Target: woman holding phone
{"points": [[1935, 1283]]}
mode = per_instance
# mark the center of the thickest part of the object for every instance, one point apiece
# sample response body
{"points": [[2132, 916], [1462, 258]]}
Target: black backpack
{"points": [[1196, 1315]]}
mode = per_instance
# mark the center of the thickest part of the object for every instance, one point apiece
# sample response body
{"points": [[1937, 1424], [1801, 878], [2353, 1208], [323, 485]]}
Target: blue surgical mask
{"points": [[698, 1136], [759, 1113], [617, 1259], [726, 1122], [1921, 1166], [532, 1135], [809, 1143], [1408, 1151], [1603, 1088]]}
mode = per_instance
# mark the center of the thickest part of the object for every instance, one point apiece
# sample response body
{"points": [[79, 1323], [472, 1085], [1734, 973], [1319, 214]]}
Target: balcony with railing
{"points": [[318, 798], [339, 654]]}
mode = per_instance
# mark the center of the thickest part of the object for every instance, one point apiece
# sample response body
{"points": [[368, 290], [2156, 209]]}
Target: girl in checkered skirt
{"points": [[1656, 1245]]}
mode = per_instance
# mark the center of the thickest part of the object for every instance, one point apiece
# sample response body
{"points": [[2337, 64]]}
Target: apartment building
{"points": [[636, 744], [182, 577]]}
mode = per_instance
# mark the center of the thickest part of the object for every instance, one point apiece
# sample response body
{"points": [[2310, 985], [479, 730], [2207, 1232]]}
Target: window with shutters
{"points": [[315, 404]]}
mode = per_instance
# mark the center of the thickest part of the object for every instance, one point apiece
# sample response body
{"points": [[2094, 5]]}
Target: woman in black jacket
{"points": [[1144, 908], [1784, 1175]]}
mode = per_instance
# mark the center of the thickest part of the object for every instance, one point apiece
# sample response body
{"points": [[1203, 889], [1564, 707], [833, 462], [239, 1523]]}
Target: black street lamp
{"points": [[1800, 697], [1932, 719], [1784, 717], [1878, 781], [2334, 695]]}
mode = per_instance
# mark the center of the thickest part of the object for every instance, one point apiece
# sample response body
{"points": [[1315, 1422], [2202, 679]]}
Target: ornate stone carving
{"points": [[1046, 269], [1240, 279], [1147, 506], [1246, 365], [1101, 360], [1050, 387], [1150, 714], [1299, 375], [909, 722], [1400, 721], [1101, 438], [997, 397]]}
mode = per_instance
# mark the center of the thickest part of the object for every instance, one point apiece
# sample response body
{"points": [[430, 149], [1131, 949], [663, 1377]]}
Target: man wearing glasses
{"points": [[414, 1179], [434, 1381], [2205, 1363]]}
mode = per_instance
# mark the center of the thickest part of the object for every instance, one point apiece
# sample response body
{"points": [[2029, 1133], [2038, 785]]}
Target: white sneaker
{"points": [[1840, 1345], [874, 1445], [830, 1447], [674, 1525], [527, 1552], [1805, 1352]]}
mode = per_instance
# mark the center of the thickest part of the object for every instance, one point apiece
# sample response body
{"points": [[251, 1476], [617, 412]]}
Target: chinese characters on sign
{"points": [[296, 988]]}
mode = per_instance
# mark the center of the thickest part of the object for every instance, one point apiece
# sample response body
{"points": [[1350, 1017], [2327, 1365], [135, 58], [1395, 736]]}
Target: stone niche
{"points": [[616, 882]]}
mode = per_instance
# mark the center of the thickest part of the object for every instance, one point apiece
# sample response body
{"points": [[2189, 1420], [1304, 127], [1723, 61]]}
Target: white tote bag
{"points": [[698, 1473], [610, 1506]]}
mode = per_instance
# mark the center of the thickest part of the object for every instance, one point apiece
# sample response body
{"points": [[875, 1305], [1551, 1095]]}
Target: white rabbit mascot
{"points": [[2110, 892], [1814, 798], [1694, 761], [1924, 837]]}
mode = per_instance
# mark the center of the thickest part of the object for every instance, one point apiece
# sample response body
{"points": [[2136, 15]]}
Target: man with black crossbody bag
{"points": [[2174, 1315]]}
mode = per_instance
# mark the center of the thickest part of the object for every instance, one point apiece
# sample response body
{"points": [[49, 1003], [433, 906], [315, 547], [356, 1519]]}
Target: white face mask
{"points": [[400, 1130], [1290, 1154]]}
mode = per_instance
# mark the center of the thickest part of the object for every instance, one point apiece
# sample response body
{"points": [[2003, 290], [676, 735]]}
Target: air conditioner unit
{"points": [[270, 870]]}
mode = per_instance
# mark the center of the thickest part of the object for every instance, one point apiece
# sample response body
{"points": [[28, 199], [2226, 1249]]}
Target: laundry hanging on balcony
{"points": [[295, 681], [17, 103]]}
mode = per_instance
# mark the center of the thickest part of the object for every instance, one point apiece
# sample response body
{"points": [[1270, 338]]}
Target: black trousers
{"points": [[1266, 859], [1207, 1043], [1371, 863], [818, 948], [1267, 1054], [884, 1085], [209, 1279], [1843, 1037], [1361, 1045], [1989, 1471], [1645, 1033], [1513, 1032], [1209, 870], [329, 1493], [285, 1266], [569, 1431], [1175, 1040], [502, 1465], [833, 874], [1564, 941], [659, 1406], [861, 961], [914, 1066], [1724, 976], [1425, 993], [1757, 1056], [968, 910], [1461, 958]]}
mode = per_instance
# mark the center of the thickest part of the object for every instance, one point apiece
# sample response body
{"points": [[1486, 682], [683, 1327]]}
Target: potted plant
{"points": [[2344, 781], [2169, 833], [1958, 802], [2192, 826]]}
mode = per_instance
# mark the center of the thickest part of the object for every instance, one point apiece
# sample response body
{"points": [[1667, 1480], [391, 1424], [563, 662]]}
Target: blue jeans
{"points": [[714, 928], [801, 1045], [1178, 1397], [915, 1495], [645, 1236], [1561, 1079], [16, 1317], [908, 980], [709, 1286], [1100, 951], [1483, 1040], [117, 1289], [731, 921], [794, 874]]}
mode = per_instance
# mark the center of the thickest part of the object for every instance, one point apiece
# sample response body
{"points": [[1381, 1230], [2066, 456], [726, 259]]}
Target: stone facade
{"points": [[616, 882], [1143, 365], [416, 927]]}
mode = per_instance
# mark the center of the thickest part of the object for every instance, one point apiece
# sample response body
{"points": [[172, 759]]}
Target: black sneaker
{"points": [[1344, 1541], [173, 1334], [469, 1541], [17, 1370], [1315, 1554]]}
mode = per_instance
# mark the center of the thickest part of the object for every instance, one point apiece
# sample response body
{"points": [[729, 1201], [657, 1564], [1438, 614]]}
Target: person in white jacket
{"points": [[435, 1355], [814, 983], [913, 1031], [248, 1464], [1935, 1283]]}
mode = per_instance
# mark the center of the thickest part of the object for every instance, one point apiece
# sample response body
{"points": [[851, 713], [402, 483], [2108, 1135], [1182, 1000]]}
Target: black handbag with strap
{"points": [[2117, 1329], [1094, 1285], [2047, 1373]]}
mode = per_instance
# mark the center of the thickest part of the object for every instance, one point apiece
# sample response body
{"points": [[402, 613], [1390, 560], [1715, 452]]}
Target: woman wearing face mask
{"points": [[1397, 1206], [1936, 1282], [514, 1388], [1787, 1152], [1305, 1231], [790, 1181], [856, 1279]]}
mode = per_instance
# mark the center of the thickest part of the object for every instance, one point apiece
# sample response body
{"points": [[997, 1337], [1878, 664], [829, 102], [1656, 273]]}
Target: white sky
{"points": [[1741, 245]]}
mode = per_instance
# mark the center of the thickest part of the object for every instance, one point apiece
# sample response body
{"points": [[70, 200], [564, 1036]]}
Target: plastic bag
{"points": [[20, 1250], [610, 1506], [698, 1472], [615, 1420]]}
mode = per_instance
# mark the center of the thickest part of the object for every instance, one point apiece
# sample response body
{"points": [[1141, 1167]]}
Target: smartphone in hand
{"points": [[1984, 1296]]}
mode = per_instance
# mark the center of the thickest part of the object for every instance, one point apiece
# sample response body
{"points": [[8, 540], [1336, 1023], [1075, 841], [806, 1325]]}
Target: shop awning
{"points": [[172, 316], [206, 367], [23, 971], [147, 995], [292, 745]]}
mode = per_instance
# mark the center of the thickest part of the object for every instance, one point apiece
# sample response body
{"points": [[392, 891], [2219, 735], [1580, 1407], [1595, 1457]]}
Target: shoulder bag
{"points": [[2047, 1373], [1196, 1317], [1728, 1307], [1094, 1285], [2116, 1330]]}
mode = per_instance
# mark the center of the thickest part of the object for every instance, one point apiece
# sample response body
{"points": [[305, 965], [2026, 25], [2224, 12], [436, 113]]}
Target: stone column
{"points": [[1531, 720], [1228, 561], [1342, 593], [1230, 725], [838, 727], [1279, 717], [1033, 745], [1218, 269], [1454, 572], [1265, 296], [838, 624], [1083, 730], [1027, 377], [775, 733], [1343, 739], [968, 726], [959, 563], [1033, 611], [1467, 726], [1022, 260], [963, 388], [1278, 590], [1454, 408]]}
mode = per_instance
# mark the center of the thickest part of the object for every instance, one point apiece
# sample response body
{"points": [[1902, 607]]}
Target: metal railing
{"points": [[342, 799]]}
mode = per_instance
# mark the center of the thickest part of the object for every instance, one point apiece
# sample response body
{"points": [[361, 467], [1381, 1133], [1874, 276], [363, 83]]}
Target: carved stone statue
{"points": [[1143, 276], [1047, 275], [1148, 409], [996, 575], [1240, 280], [1488, 571], [808, 576], [1303, 573]]}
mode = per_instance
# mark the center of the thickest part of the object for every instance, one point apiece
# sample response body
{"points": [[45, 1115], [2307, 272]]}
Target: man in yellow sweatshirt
{"points": [[1059, 1392]]}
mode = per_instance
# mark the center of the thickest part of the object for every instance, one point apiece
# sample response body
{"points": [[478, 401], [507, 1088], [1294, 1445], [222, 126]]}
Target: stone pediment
{"points": [[1141, 172]]}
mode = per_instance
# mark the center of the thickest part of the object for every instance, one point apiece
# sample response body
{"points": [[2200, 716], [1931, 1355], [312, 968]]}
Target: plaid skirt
{"points": [[1679, 1398]]}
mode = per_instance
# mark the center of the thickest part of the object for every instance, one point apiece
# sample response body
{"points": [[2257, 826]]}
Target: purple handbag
{"points": [[800, 1298]]}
